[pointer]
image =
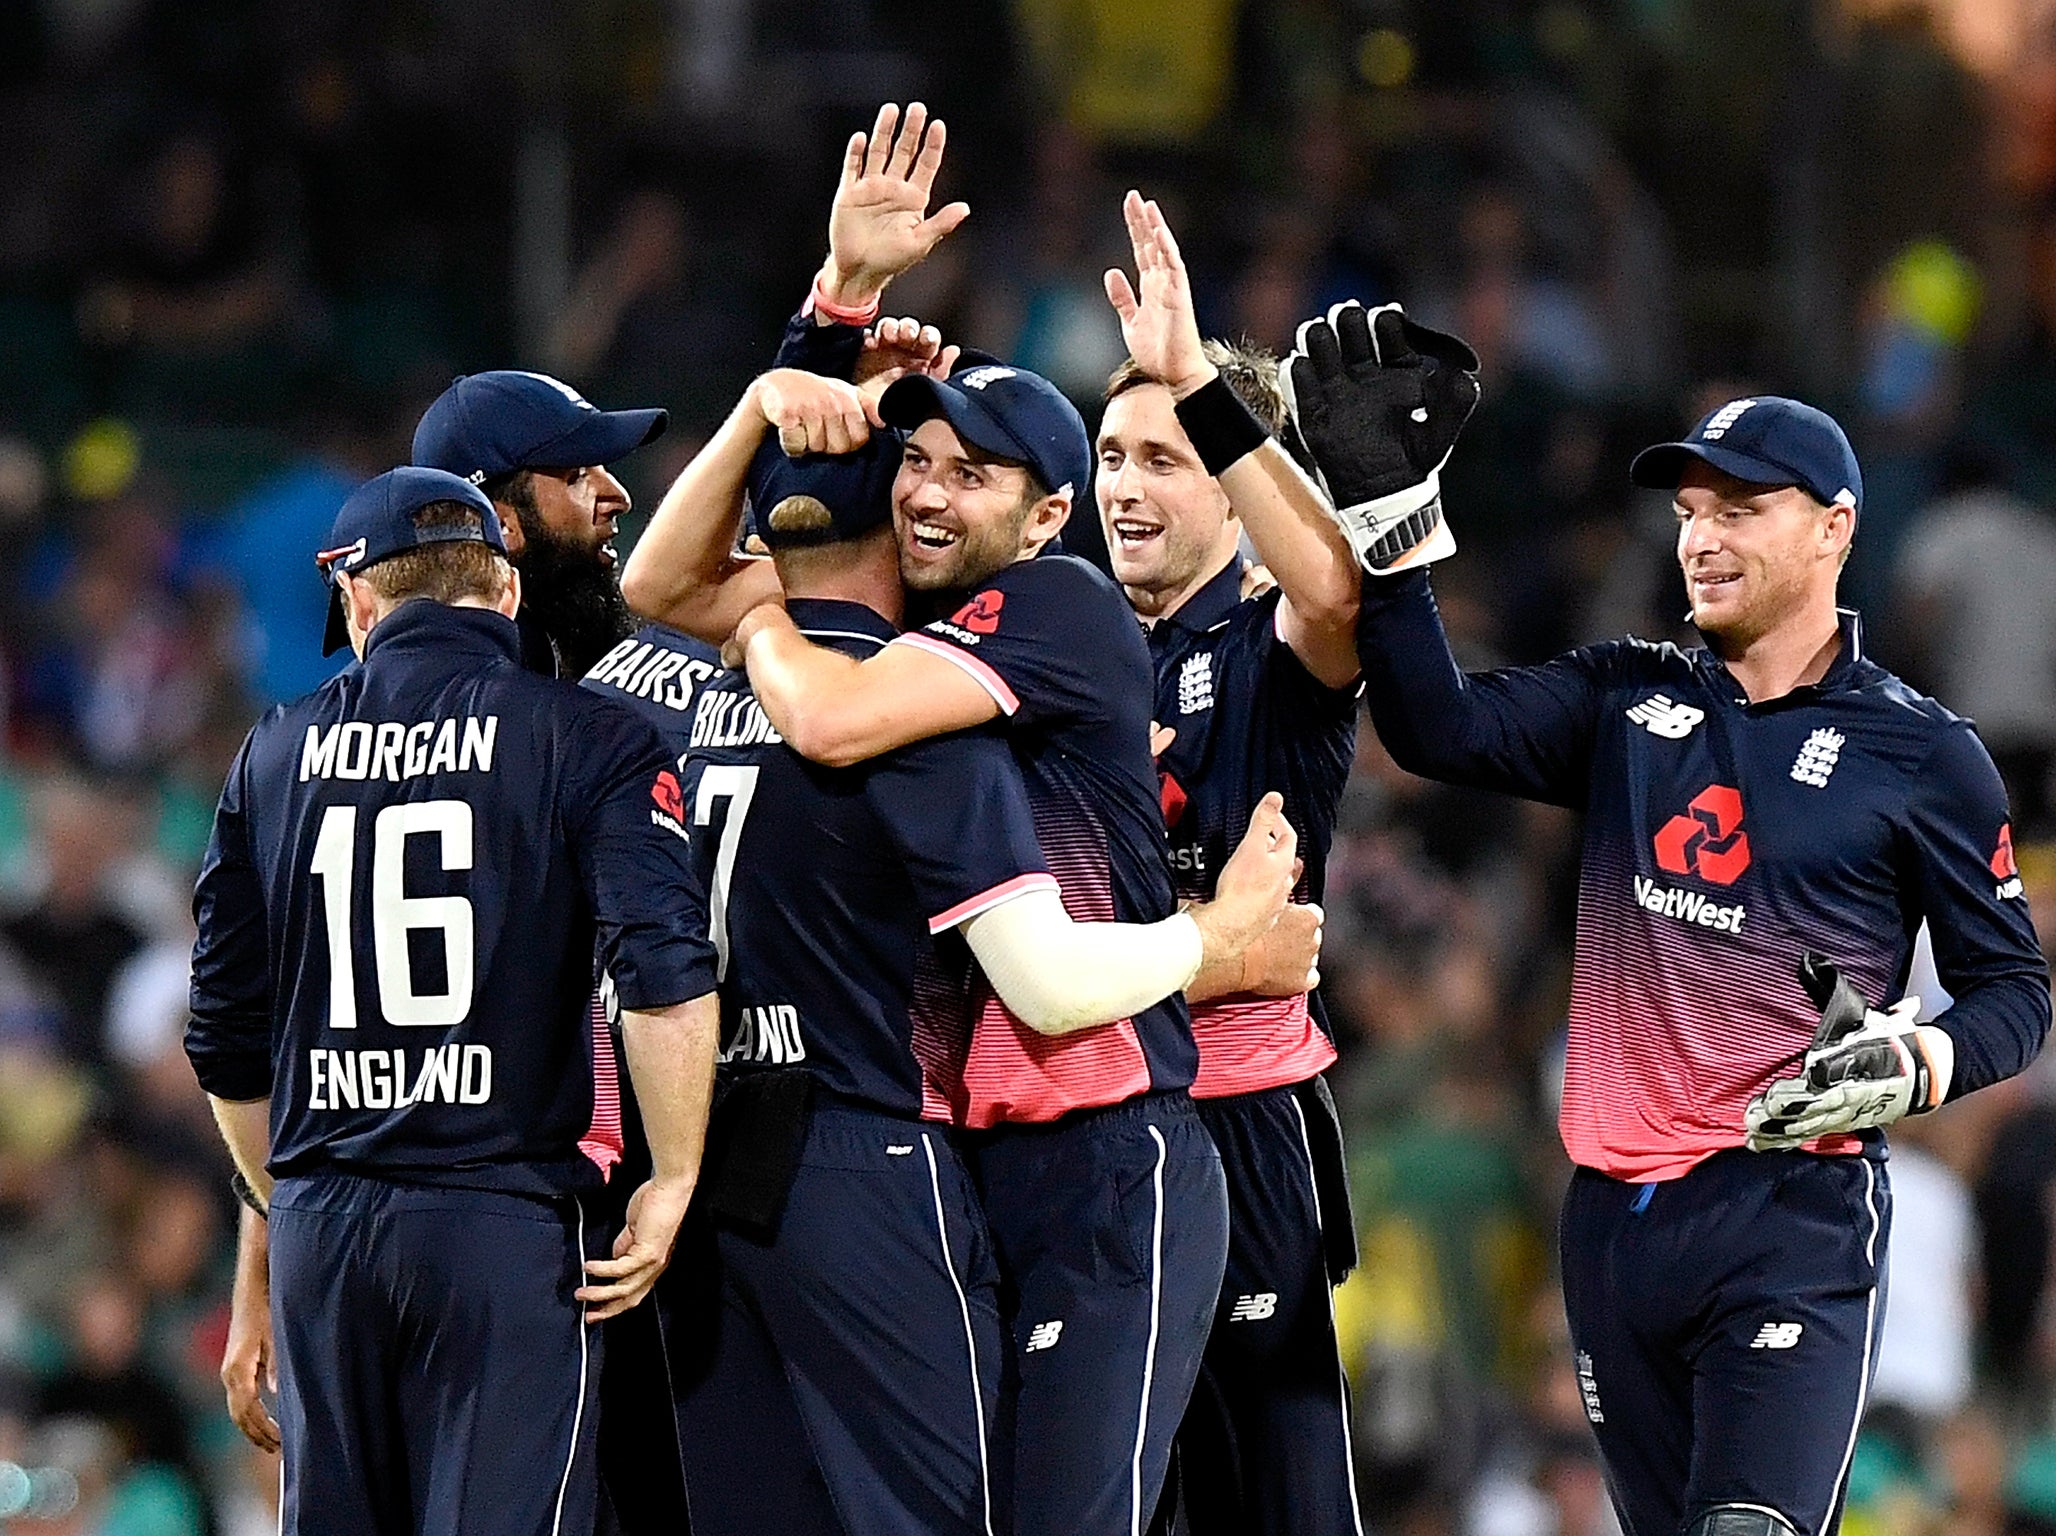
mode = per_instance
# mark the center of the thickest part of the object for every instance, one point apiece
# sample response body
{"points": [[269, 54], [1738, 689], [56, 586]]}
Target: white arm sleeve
{"points": [[1058, 975]]}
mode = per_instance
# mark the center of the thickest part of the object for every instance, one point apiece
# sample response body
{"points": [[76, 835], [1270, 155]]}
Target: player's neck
{"points": [[1151, 604], [1793, 654]]}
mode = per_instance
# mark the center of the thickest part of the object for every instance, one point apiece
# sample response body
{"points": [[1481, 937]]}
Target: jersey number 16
{"points": [[394, 912]]}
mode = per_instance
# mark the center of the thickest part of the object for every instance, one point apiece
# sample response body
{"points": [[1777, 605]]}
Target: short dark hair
{"points": [[516, 488], [447, 571], [1251, 372]]}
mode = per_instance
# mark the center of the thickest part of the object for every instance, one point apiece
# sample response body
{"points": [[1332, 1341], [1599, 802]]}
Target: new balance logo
{"points": [[978, 378], [1660, 717], [1777, 1335], [1044, 1336], [1588, 1389], [1818, 757], [1254, 1308], [1196, 684]]}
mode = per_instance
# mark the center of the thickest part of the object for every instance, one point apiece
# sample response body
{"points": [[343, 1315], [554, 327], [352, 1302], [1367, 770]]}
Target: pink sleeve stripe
{"points": [[964, 911], [983, 675]]}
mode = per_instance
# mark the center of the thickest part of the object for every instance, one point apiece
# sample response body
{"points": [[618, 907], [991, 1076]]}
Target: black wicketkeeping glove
{"points": [[1378, 401]]}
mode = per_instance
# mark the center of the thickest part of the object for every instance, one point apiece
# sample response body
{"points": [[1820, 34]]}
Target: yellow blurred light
{"points": [[1934, 287], [1385, 58], [101, 462]]}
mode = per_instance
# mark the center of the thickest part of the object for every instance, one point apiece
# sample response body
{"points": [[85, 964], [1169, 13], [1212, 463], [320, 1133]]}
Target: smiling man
{"points": [[1771, 796]]}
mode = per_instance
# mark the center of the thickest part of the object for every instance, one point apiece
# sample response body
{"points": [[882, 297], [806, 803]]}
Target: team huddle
{"points": [[852, 1063]]}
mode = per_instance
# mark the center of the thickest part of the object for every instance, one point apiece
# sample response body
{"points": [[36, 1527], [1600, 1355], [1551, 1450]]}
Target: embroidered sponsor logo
{"points": [[1817, 759], [1044, 1335], [981, 614], [1171, 797], [1688, 906], [1723, 419], [1660, 717], [670, 811], [1709, 841], [978, 378], [1196, 684], [1777, 1336], [1588, 1389], [2004, 867], [1254, 1308]]}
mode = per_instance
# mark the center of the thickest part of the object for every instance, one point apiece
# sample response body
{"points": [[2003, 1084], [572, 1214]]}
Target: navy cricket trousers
{"points": [[1112, 1231], [1264, 1449], [436, 1374], [1725, 1328], [870, 1324]]}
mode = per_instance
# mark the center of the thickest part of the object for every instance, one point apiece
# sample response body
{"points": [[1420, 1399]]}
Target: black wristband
{"points": [[247, 1195], [1221, 427]]}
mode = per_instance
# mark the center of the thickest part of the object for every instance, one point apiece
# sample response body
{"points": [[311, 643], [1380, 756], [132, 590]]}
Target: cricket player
{"points": [[542, 453], [1769, 798], [559, 524], [411, 871], [850, 904], [1255, 693]]}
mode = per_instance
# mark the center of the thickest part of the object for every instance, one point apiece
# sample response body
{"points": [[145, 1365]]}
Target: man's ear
{"points": [[510, 595], [510, 530], [360, 608], [1047, 520], [1840, 529]]}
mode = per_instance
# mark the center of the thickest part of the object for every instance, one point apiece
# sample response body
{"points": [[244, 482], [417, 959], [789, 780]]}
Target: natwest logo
{"points": [[1709, 842], [981, 614], [2005, 869], [1688, 906]]}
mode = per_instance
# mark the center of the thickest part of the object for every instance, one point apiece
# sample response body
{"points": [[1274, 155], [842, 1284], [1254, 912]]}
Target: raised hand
{"points": [[879, 225], [1157, 318]]}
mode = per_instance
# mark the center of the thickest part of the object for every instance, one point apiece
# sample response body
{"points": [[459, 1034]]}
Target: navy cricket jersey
{"points": [[1723, 839], [657, 672], [834, 891], [1058, 648], [411, 871], [1250, 718]]}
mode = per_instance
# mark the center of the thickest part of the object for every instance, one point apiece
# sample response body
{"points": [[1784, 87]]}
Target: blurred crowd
{"points": [[242, 243]]}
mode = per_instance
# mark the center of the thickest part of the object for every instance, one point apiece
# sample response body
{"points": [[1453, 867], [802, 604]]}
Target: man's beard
{"points": [[574, 597]]}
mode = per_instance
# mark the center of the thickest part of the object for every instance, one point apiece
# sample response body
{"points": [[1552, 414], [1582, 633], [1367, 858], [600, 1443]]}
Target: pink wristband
{"points": [[841, 314]]}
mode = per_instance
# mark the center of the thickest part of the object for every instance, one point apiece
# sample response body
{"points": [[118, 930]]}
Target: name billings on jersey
{"points": [[446, 1074], [1688, 906], [730, 720], [356, 749]]}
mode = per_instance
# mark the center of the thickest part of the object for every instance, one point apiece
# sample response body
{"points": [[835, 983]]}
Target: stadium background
{"points": [[243, 242]]}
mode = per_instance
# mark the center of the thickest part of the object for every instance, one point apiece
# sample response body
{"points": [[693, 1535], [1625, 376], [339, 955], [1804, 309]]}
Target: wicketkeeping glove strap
{"points": [[1398, 532]]}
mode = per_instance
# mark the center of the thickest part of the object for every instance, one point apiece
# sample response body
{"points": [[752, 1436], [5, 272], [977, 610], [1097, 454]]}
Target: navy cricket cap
{"points": [[1766, 440], [489, 424], [821, 498], [379, 520], [1007, 412]]}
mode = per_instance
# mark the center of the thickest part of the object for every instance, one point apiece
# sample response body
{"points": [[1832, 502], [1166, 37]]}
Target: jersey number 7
{"points": [[393, 912], [725, 781]]}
